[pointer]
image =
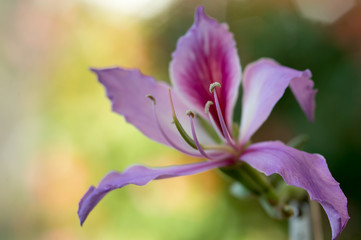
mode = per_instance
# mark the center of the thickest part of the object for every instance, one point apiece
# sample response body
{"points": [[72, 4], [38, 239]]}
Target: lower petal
{"points": [[304, 170], [139, 175]]}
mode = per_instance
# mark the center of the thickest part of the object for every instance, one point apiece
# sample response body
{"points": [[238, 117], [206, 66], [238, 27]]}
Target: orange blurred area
{"points": [[59, 136]]}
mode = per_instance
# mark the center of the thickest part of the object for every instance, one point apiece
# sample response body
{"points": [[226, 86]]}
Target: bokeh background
{"points": [[58, 135]]}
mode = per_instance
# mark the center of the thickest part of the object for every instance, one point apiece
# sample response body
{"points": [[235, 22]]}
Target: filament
{"points": [[200, 149], [221, 119]]}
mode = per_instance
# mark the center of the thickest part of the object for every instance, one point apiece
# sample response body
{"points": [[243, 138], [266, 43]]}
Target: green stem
{"points": [[263, 183], [254, 181]]}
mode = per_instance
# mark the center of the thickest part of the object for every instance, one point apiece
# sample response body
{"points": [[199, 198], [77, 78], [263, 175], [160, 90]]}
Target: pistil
{"points": [[179, 126], [169, 141]]}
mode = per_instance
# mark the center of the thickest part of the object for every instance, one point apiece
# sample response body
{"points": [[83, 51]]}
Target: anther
{"points": [[208, 105], [190, 113], [151, 97], [213, 86]]}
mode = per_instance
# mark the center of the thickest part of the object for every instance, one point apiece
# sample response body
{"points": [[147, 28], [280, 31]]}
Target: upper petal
{"points": [[138, 175], [264, 83], [127, 90], [304, 170], [207, 54]]}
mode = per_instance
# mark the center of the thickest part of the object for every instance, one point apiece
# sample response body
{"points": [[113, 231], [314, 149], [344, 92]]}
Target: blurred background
{"points": [[58, 135]]}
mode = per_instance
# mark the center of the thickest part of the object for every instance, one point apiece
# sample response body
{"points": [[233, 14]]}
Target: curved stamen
{"points": [[151, 97], [216, 129], [207, 106], [213, 123], [220, 115], [199, 147], [169, 141], [213, 86]]}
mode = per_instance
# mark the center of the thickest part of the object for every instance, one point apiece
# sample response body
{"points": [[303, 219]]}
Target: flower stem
{"points": [[258, 184], [254, 181], [266, 188]]}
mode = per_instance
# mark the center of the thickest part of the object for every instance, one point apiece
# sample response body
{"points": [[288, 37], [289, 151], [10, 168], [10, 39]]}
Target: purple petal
{"points": [[207, 54], [303, 170], [139, 175], [303, 90], [127, 90], [264, 83]]}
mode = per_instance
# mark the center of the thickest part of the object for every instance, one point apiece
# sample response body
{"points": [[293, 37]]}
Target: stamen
{"points": [[215, 127], [213, 123], [199, 147], [151, 97], [190, 113], [213, 86], [208, 105], [179, 126], [169, 141], [171, 102], [221, 120]]}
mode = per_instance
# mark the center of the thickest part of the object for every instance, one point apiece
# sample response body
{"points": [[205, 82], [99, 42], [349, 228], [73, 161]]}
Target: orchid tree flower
{"points": [[195, 117]]}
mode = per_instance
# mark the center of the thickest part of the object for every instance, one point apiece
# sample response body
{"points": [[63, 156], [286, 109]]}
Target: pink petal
{"points": [[207, 54], [127, 90], [264, 83], [139, 175], [303, 170]]}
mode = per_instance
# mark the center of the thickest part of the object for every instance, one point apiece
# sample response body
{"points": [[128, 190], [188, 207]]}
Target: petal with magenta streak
{"points": [[127, 90], [206, 54]]}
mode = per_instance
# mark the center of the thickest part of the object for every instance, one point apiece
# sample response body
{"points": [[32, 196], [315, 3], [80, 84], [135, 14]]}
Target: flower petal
{"points": [[139, 175], [304, 170], [207, 54], [264, 83], [127, 90]]}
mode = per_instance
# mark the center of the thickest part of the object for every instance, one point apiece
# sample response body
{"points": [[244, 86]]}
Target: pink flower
{"points": [[195, 117]]}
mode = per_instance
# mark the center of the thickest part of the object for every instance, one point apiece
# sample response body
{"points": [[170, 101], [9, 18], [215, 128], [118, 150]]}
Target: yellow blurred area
{"points": [[59, 135]]}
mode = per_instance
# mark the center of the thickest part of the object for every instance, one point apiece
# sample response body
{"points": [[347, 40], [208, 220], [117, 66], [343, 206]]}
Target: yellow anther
{"points": [[213, 86], [208, 105]]}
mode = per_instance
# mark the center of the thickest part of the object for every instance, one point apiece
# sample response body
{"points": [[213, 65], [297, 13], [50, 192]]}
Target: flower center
{"points": [[212, 152]]}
